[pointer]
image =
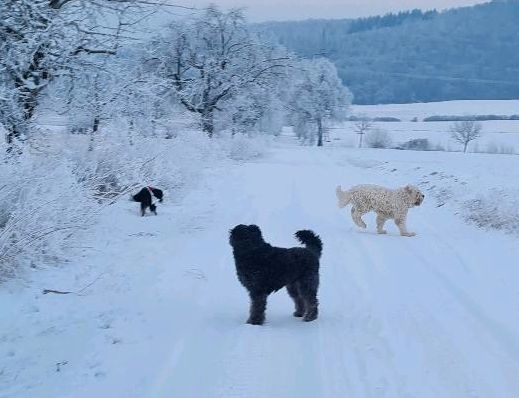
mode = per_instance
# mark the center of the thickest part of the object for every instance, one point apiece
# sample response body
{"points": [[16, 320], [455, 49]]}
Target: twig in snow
{"points": [[79, 292], [47, 291]]}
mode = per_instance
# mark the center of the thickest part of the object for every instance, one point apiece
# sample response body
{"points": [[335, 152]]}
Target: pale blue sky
{"points": [[267, 10]]}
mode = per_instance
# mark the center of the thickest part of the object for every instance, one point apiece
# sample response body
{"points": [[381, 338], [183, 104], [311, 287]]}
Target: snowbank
{"points": [[56, 189]]}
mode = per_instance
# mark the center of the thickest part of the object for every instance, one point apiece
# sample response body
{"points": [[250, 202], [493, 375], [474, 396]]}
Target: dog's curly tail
{"points": [[344, 197], [310, 240]]}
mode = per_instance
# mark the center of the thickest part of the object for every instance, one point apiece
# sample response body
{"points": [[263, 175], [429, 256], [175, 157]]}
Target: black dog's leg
{"points": [[293, 291], [311, 305], [257, 309], [143, 208], [308, 290]]}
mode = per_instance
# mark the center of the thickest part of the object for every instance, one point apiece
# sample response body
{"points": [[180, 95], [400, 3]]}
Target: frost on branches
{"points": [[317, 98], [213, 59], [42, 40]]}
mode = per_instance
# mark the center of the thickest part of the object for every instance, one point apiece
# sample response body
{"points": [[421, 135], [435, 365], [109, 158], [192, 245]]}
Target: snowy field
{"points": [[497, 135], [157, 311], [406, 112]]}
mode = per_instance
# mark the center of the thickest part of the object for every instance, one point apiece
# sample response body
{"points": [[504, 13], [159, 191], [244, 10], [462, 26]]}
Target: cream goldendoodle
{"points": [[387, 203]]}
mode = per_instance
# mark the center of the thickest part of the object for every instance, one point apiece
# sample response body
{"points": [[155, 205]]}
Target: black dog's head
{"points": [[245, 236]]}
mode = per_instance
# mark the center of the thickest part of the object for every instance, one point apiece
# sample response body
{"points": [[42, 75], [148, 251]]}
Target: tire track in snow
{"points": [[387, 327], [376, 362], [500, 333], [503, 341], [277, 360]]}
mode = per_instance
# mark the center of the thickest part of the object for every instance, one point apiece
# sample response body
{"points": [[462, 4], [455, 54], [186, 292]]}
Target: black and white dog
{"points": [[145, 198]]}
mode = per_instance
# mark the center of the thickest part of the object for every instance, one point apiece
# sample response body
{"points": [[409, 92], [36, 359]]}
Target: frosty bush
{"points": [[42, 206], [418, 144], [52, 191], [495, 209], [502, 149], [438, 147], [378, 138], [243, 148]]}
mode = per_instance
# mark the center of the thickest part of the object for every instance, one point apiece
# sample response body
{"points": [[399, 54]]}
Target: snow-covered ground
{"points": [[406, 112], [157, 310], [497, 135]]}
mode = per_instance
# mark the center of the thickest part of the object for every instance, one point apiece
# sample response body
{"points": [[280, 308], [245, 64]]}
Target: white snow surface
{"points": [[500, 136], [159, 311], [424, 109]]}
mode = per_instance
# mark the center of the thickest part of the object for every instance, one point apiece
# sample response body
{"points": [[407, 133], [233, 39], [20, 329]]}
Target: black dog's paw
{"points": [[298, 314], [309, 317], [255, 321]]}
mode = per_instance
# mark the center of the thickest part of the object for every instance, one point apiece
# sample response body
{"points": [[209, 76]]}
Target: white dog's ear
{"points": [[408, 188]]}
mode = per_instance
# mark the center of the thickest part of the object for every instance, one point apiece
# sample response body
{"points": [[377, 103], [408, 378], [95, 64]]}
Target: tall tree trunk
{"points": [[320, 132], [18, 127], [153, 127], [13, 133], [95, 128], [96, 112], [130, 132], [465, 147], [208, 122], [29, 106]]}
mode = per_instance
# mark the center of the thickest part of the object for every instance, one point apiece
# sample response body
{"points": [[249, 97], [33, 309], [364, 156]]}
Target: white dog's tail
{"points": [[344, 197]]}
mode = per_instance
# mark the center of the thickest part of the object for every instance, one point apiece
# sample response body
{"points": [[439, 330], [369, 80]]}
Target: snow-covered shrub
{"points": [[501, 149], [115, 166], [418, 144], [42, 206], [495, 209], [241, 147], [378, 138], [438, 147], [57, 186]]}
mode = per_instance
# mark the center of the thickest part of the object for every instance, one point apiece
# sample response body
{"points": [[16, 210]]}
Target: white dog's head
{"points": [[415, 196]]}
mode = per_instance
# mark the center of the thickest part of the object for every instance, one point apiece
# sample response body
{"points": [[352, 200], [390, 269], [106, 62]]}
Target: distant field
{"points": [[407, 112], [500, 134]]}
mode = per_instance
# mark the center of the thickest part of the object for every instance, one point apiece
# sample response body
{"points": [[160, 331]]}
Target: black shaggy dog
{"points": [[264, 269], [145, 197]]}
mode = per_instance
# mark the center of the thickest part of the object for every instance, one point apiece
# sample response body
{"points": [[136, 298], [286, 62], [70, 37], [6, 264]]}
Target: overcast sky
{"points": [[275, 10]]}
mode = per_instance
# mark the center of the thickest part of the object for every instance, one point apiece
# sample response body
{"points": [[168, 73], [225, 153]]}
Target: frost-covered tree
{"points": [[212, 59], [28, 35], [41, 40], [394, 58], [362, 126], [317, 98], [465, 131], [257, 110]]}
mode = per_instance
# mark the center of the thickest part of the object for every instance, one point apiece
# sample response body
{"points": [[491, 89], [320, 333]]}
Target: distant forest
{"points": [[416, 56]]}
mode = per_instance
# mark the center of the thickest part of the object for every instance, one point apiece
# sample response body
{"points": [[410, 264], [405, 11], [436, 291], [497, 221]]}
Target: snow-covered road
{"points": [[436, 315]]}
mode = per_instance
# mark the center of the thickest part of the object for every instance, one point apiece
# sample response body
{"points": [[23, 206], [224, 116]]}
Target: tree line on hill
{"points": [[462, 53]]}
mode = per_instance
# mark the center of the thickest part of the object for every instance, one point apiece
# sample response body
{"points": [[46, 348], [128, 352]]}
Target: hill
{"points": [[415, 56]]}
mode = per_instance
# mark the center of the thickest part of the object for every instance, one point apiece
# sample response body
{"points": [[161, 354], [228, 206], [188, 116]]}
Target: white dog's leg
{"points": [[380, 223], [400, 222], [357, 217]]}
